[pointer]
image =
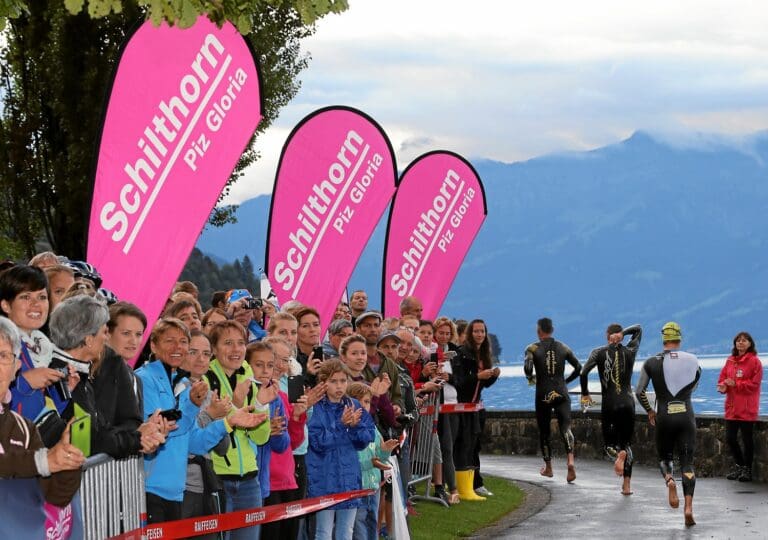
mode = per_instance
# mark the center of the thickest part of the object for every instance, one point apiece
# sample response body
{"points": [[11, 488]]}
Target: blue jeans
{"points": [[404, 464], [243, 495], [367, 518], [345, 523]]}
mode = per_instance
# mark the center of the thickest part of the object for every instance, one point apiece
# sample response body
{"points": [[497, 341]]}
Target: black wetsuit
{"points": [[548, 358], [614, 364], [674, 375]]}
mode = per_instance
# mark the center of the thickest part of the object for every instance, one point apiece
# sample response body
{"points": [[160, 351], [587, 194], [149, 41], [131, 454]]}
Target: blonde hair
{"points": [[390, 323], [56, 269], [445, 321], [163, 325], [359, 390], [277, 317]]}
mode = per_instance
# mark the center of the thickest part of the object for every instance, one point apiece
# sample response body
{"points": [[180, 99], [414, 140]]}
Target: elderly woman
{"points": [[24, 300], [23, 455], [79, 330]]}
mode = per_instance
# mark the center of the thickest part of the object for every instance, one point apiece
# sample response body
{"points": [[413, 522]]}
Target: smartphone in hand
{"points": [[171, 414], [317, 353], [80, 434], [295, 388]]}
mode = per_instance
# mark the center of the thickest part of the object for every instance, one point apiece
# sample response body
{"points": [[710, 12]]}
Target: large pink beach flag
{"points": [[183, 106], [436, 214], [335, 179]]}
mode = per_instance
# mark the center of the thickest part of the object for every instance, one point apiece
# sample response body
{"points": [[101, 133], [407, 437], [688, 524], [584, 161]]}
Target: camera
{"points": [[252, 303], [61, 386]]}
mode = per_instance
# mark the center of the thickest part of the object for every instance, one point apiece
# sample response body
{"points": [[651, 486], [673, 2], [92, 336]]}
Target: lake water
{"points": [[512, 393]]}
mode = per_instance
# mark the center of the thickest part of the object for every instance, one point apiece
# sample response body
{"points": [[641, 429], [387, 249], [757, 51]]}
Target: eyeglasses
{"points": [[204, 354], [7, 359]]}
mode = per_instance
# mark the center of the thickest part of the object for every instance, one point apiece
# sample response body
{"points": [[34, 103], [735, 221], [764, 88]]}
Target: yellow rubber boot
{"points": [[465, 481]]}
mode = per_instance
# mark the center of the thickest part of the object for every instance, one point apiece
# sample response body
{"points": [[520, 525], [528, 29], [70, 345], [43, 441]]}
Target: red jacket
{"points": [[742, 402], [282, 465]]}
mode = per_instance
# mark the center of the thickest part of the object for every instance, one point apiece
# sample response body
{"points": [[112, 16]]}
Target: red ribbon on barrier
{"points": [[427, 411], [191, 527], [450, 408]]}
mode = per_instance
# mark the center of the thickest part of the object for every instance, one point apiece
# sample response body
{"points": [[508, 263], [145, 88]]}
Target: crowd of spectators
{"points": [[243, 405]]}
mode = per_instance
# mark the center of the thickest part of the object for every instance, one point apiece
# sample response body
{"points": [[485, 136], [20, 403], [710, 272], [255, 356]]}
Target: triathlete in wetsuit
{"points": [[674, 375], [548, 358], [614, 364]]}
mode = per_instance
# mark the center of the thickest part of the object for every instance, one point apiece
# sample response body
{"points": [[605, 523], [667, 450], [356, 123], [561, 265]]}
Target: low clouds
{"points": [[510, 81]]}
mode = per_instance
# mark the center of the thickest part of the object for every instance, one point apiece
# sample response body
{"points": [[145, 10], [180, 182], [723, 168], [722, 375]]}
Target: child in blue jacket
{"points": [[338, 429]]}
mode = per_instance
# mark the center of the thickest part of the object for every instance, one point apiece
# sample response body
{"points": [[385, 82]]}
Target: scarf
{"points": [[38, 346]]}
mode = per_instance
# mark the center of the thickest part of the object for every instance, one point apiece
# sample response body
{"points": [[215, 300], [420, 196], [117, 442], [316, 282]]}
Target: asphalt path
{"points": [[593, 506]]}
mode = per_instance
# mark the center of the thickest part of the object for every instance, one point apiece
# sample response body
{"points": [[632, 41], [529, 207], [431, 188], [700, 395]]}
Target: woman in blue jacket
{"points": [[338, 429]]}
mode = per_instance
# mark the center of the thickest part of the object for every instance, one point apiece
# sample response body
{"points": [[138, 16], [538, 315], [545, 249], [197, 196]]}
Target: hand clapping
{"points": [[351, 416]]}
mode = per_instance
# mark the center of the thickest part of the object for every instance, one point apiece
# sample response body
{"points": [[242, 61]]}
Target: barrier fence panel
{"points": [[424, 444], [112, 494]]}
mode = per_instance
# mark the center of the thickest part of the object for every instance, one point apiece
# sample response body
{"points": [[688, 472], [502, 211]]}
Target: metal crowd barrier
{"points": [[423, 437], [112, 496]]}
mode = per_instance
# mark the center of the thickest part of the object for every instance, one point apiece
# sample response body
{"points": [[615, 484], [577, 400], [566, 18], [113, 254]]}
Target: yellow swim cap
{"points": [[671, 332]]}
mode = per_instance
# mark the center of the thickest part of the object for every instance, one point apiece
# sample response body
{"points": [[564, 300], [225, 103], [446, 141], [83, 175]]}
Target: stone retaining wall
{"points": [[515, 432]]}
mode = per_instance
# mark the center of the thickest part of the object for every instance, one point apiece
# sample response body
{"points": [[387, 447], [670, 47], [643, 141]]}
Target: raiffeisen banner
{"points": [[334, 181], [183, 106], [436, 214]]}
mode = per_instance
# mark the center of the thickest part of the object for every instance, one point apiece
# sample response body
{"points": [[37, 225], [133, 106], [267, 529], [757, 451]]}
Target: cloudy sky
{"points": [[514, 80]]}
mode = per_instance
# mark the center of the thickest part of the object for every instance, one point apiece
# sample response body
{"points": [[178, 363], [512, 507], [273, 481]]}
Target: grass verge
{"points": [[461, 520]]}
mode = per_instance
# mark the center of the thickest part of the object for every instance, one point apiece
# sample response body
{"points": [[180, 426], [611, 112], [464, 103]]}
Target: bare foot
{"points": [[546, 470], [571, 474], [674, 501], [625, 489], [618, 466], [688, 512]]}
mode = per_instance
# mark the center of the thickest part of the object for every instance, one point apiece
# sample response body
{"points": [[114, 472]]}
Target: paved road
{"points": [[593, 507]]}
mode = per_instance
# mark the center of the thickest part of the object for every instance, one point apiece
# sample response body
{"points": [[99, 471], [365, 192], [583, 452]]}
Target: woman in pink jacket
{"points": [[740, 381]]}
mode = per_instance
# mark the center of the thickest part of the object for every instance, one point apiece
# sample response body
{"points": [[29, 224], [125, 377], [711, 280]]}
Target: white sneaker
{"points": [[483, 492]]}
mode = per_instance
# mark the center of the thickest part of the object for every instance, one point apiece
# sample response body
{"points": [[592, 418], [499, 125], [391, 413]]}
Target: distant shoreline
{"points": [[706, 361]]}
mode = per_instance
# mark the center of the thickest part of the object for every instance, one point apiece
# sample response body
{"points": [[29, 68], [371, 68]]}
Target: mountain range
{"points": [[641, 231]]}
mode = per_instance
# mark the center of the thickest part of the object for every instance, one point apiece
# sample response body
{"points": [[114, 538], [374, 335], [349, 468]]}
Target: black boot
{"points": [[735, 473], [746, 474]]}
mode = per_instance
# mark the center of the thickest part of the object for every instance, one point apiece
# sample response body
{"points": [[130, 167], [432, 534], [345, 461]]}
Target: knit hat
{"points": [[671, 332]]}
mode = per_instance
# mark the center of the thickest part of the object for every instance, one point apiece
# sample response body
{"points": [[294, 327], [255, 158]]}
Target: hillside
{"points": [[639, 231]]}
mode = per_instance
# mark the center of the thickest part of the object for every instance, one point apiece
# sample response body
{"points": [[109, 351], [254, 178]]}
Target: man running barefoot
{"points": [[547, 358], [674, 375], [614, 363]]}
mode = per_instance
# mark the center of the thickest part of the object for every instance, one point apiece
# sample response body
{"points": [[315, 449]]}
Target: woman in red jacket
{"points": [[740, 381]]}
